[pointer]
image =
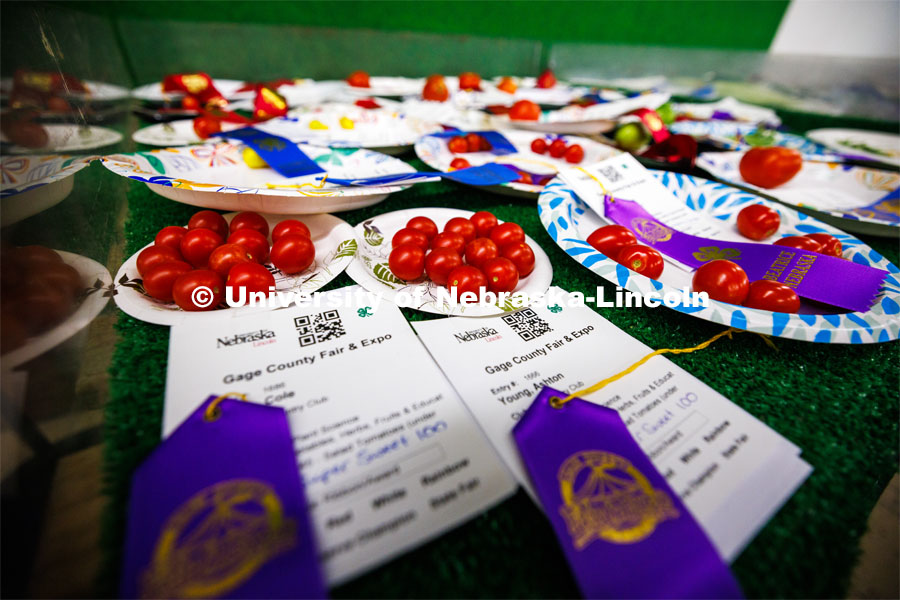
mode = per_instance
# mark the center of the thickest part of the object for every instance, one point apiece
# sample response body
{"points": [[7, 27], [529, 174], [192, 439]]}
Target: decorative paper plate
{"points": [[740, 111], [560, 94], [569, 221], [153, 92], [370, 269], [70, 138], [829, 189], [32, 184], [96, 91], [434, 152], [388, 86], [732, 135], [173, 133], [335, 249], [98, 289], [875, 145], [446, 113], [215, 176]]}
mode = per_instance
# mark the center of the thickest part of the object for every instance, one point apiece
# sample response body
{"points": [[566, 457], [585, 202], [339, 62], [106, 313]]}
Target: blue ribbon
{"points": [[280, 153], [489, 174]]}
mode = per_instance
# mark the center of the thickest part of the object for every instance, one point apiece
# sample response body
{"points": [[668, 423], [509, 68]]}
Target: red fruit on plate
{"points": [[408, 235], [558, 148], [800, 242], [293, 253], [641, 259], [249, 220], [470, 81], [435, 89], [723, 280], [252, 278], [440, 262], [466, 278], [474, 142], [484, 222], [198, 244], [508, 85], [458, 144], [170, 236], [226, 256], [501, 273], [290, 227], [771, 295], [574, 154], [209, 219], [539, 145], [770, 167], [425, 225], [459, 163], [757, 221], [199, 290], [358, 79], [546, 79], [481, 250], [507, 233], [525, 110], [253, 241], [610, 240], [521, 255], [407, 262], [453, 241], [830, 244], [159, 280], [152, 256], [462, 226]]}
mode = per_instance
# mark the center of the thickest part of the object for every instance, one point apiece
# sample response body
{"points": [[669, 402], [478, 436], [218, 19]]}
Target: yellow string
{"points": [[297, 186], [212, 409]]}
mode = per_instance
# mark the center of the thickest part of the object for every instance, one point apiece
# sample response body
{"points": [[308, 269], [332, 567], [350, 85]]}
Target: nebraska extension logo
{"points": [[259, 338], [477, 334]]}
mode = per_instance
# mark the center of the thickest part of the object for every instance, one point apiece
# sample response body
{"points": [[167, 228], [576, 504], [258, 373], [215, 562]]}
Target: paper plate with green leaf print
{"points": [[569, 221], [370, 268], [335, 249], [215, 175]]}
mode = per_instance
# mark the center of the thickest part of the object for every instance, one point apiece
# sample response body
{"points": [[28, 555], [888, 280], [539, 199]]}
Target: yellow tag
{"points": [[315, 124], [347, 123], [253, 160]]}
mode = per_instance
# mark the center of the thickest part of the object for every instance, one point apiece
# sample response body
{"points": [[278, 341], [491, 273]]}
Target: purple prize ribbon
{"points": [[283, 155], [624, 531], [810, 274], [886, 208], [499, 144], [218, 510]]}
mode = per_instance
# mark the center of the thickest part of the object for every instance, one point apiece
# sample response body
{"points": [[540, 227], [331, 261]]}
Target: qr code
{"points": [[527, 324], [321, 327], [611, 174]]}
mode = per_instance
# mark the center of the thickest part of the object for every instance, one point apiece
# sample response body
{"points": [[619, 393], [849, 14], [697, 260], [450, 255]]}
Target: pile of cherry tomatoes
{"points": [[467, 256], [558, 148], [471, 142], [213, 253]]}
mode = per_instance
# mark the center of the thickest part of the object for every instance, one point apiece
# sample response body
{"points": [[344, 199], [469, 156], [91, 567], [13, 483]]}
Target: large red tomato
{"points": [[723, 280], [187, 296], [358, 79], [293, 253], [771, 295], [770, 167], [207, 126]]}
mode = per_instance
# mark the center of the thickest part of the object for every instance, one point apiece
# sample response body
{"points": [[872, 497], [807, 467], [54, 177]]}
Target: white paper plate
{"points": [[173, 133], [388, 86], [560, 94], [569, 221], [153, 92], [446, 113], [370, 268], [434, 152], [741, 111], [71, 138], [32, 184], [730, 135], [883, 147], [98, 289], [96, 91], [335, 249], [215, 176]]}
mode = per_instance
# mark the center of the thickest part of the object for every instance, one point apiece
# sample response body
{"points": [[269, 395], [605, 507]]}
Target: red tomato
{"points": [[59, 275], [508, 85], [723, 280], [458, 144], [474, 142], [610, 239], [159, 280], [252, 277], [209, 219], [440, 262], [558, 148], [539, 145], [546, 79], [642, 259], [435, 89], [484, 222], [481, 250], [801, 242], [485, 145], [358, 79], [153, 256], [290, 227], [249, 220], [466, 278], [502, 274], [524, 178], [470, 81], [408, 235], [293, 253], [462, 226], [525, 110], [574, 153], [453, 241], [425, 225], [459, 163], [771, 295], [507, 233], [830, 244], [207, 126], [226, 256], [198, 244], [190, 103], [253, 241], [770, 167], [521, 255], [188, 297], [758, 221], [41, 305], [407, 262], [170, 236]]}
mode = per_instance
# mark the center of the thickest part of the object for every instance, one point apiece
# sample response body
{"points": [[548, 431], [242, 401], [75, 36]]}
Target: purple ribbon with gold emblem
{"points": [[624, 532], [810, 274]]}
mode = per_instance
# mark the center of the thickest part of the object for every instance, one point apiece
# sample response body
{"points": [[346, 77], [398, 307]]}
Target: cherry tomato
{"points": [[758, 221], [190, 103], [453, 241], [521, 255], [458, 144], [407, 262], [771, 295], [462, 226], [159, 280], [459, 163], [408, 235], [253, 277], [33, 256], [481, 250], [474, 142], [770, 167], [425, 225], [183, 290], [290, 227], [358, 79], [470, 81], [207, 126], [435, 89], [198, 244], [226, 256], [484, 222], [502, 274], [293, 253], [525, 110], [61, 276], [574, 154], [723, 280], [466, 278], [546, 79], [170, 236], [539, 145], [249, 220], [642, 259], [40, 305], [440, 262], [507, 233], [253, 241], [524, 178], [610, 240], [508, 85], [485, 145], [209, 219], [558, 148], [801, 242], [830, 244], [152, 256]]}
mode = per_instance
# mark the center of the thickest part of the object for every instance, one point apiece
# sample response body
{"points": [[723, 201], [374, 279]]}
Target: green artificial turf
{"points": [[838, 403]]}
